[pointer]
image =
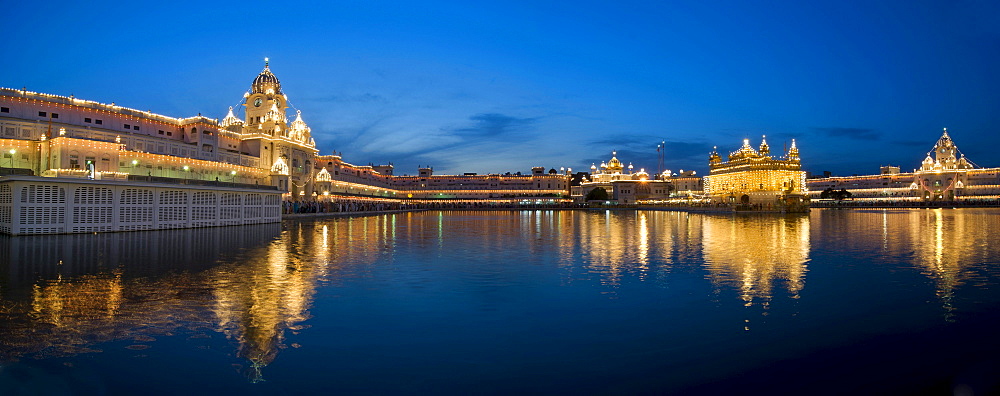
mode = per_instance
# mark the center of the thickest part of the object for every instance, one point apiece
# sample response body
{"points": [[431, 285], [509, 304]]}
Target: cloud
{"points": [[852, 133], [493, 125]]}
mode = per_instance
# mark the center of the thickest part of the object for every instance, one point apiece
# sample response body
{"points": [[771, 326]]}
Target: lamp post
{"points": [[12, 152]]}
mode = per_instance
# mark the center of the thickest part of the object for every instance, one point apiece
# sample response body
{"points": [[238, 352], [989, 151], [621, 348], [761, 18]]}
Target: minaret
{"points": [[793, 152], [713, 157]]}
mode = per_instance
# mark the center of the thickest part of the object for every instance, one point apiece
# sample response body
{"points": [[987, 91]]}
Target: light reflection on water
{"points": [[254, 289]]}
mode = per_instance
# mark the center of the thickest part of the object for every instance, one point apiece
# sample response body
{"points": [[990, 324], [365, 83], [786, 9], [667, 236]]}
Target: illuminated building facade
{"points": [[625, 186], [753, 177], [58, 136], [944, 175]]}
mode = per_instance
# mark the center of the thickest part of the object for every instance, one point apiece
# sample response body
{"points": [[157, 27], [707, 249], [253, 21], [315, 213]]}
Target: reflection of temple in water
{"points": [[946, 245], [754, 253], [949, 244], [251, 283], [641, 243]]}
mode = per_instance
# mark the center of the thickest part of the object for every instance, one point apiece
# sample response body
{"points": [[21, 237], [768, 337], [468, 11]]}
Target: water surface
{"points": [[835, 301]]}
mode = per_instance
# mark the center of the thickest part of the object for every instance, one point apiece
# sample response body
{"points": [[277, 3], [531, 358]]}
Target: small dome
{"points": [[266, 81], [323, 175]]}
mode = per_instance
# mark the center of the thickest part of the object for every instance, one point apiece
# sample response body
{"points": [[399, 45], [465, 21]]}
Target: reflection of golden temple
{"points": [[752, 253]]}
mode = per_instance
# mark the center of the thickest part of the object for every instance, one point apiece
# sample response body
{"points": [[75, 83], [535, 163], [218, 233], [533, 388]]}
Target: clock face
{"points": [[257, 102]]}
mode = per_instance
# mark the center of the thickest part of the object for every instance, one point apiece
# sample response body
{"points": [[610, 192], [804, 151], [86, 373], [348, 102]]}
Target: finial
{"points": [[614, 153], [266, 61]]}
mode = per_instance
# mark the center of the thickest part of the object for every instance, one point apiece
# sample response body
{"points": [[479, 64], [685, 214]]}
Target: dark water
{"points": [[577, 302]]}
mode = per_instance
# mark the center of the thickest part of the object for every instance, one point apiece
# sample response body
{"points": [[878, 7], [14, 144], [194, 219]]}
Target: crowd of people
{"points": [[975, 202], [289, 207], [348, 205]]}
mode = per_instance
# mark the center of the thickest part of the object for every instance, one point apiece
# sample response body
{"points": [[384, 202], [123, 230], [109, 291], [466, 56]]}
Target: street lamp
{"points": [[12, 152], [233, 174]]}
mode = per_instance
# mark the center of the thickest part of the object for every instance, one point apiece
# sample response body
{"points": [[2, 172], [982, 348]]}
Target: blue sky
{"points": [[504, 86]]}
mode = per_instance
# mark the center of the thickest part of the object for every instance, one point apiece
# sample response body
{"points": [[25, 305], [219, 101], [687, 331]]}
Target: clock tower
{"points": [[287, 149], [266, 105]]}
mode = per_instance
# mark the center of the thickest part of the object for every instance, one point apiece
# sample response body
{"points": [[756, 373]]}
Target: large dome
{"points": [[266, 81]]}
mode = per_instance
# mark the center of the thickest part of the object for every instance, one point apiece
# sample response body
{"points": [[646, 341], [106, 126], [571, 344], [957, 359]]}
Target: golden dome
{"points": [[614, 165]]}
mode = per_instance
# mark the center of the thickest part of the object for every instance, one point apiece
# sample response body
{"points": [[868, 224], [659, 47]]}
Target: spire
{"points": [[300, 131], [764, 148], [230, 119], [266, 61], [793, 152], [298, 123]]}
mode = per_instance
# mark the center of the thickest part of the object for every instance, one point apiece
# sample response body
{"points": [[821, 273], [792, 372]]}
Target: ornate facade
{"points": [[944, 175], [754, 177], [59, 136], [626, 186]]}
